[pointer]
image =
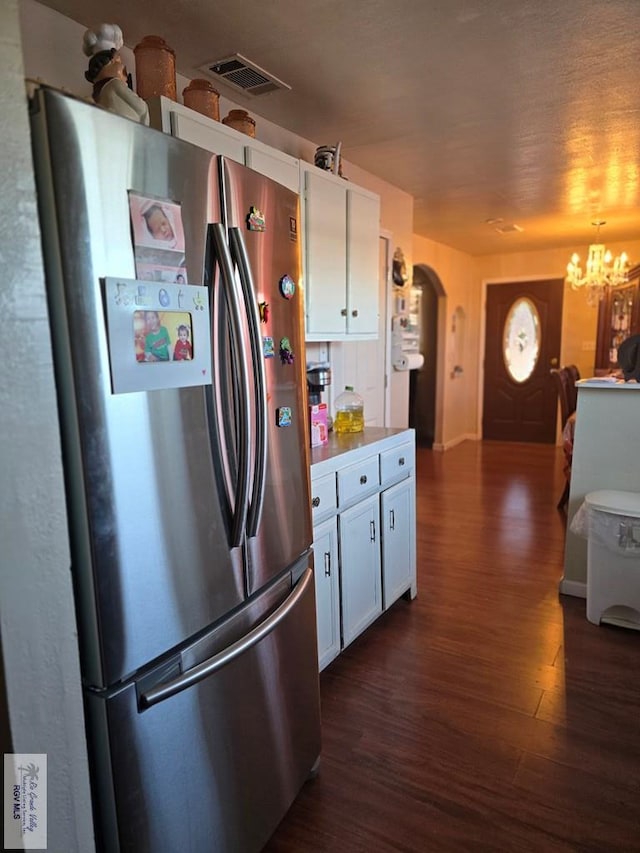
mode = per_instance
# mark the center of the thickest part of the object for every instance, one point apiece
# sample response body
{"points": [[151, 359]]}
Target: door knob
{"points": [[554, 362]]}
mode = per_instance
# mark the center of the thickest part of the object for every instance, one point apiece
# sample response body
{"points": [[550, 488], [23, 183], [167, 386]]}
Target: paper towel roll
{"points": [[409, 361]]}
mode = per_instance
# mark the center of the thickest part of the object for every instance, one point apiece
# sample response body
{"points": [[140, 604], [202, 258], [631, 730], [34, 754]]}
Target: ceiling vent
{"points": [[508, 228], [243, 75]]}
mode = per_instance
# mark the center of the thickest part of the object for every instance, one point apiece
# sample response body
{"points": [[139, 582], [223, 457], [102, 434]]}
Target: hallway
{"points": [[488, 714]]}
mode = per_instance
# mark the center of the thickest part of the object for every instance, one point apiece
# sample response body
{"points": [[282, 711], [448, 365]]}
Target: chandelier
{"points": [[602, 270]]}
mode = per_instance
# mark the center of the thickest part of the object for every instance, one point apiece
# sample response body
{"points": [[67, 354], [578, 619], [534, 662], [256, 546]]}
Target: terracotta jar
{"points": [[203, 98], [242, 121], [155, 68]]}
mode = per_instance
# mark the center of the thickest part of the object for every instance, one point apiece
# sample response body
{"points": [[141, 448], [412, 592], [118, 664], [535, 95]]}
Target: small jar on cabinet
{"points": [[200, 96], [242, 121]]}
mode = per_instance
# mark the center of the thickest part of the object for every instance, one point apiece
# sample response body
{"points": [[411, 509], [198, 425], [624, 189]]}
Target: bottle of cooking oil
{"points": [[349, 412]]}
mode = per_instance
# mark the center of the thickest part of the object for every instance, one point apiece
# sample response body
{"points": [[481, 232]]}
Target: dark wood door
{"points": [[522, 409]]}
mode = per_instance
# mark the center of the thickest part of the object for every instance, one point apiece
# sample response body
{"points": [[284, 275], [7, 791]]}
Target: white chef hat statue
{"points": [[111, 84]]}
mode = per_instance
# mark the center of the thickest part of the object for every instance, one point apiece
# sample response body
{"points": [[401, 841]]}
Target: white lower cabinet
{"points": [[360, 567], [397, 529], [363, 505], [325, 558]]}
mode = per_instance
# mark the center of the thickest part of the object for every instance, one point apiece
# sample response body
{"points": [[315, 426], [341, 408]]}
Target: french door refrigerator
{"points": [[186, 467]]}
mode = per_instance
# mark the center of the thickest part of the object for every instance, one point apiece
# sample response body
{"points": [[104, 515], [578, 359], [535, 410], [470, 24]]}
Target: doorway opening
{"points": [[426, 299]]}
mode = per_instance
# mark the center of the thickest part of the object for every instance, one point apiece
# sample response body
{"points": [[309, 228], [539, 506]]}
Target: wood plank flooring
{"points": [[488, 714]]}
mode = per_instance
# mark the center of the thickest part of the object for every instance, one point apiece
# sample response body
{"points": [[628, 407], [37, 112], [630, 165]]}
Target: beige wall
{"points": [[53, 53], [463, 278], [579, 320], [37, 618], [457, 395]]}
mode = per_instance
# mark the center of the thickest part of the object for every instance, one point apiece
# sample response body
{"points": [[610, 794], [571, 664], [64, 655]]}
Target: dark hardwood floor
{"points": [[488, 714]]}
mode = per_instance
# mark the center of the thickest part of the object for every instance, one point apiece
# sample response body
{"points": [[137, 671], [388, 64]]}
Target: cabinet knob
{"points": [[401, 461], [315, 503], [354, 313], [363, 479], [343, 313]]}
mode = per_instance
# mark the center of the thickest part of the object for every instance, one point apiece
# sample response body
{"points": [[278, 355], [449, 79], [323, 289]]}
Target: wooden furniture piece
{"points": [[565, 380], [364, 534], [618, 318]]}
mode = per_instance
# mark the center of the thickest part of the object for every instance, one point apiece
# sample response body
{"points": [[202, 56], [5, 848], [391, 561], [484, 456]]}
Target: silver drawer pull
{"points": [[327, 564], [315, 503], [363, 479], [392, 520], [372, 530], [401, 460]]}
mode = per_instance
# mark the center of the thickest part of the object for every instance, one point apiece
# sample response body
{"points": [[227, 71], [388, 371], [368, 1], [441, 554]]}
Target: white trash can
{"points": [[613, 558]]}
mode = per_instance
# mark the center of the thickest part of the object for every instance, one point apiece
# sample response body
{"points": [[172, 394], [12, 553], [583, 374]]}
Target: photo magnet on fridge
{"points": [[158, 335]]}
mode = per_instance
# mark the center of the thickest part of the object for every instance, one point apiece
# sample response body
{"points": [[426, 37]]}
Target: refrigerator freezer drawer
{"points": [[215, 766]]}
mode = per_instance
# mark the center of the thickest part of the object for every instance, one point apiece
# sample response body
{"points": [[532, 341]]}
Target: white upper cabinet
{"points": [[187, 124], [325, 228], [363, 235], [341, 227], [274, 164]]}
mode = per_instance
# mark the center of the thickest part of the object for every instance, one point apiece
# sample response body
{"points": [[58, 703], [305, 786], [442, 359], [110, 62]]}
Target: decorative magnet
{"points": [[287, 286], [283, 416], [267, 347], [122, 297], [286, 353], [164, 298], [198, 304], [264, 312], [256, 220]]}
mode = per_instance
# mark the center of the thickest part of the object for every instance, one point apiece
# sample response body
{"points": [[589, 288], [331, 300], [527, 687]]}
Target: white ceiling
{"points": [[523, 110]]}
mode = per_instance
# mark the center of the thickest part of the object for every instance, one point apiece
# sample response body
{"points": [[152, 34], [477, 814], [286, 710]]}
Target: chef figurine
{"points": [[107, 72]]}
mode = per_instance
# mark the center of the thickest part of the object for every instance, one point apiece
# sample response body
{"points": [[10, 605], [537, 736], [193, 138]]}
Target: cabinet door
{"points": [[360, 567], [274, 164], [397, 506], [325, 224], [203, 131], [325, 559], [363, 232]]}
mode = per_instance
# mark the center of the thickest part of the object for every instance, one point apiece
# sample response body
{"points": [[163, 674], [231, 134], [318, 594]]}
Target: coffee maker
{"points": [[318, 378]]}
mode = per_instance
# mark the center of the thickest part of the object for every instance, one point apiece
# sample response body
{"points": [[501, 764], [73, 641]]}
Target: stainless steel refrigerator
{"points": [[188, 503]]}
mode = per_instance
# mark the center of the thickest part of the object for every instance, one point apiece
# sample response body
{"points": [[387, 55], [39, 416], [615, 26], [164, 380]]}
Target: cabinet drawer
{"points": [[323, 496], [396, 463], [358, 480]]}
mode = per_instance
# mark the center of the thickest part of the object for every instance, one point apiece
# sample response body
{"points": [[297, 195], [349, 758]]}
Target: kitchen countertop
{"points": [[600, 382], [349, 442]]}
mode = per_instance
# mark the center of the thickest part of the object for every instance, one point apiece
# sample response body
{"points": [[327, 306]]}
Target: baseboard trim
{"points": [[469, 436], [576, 588]]}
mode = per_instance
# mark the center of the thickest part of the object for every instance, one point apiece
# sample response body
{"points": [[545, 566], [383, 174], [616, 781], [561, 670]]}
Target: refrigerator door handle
{"points": [[213, 664], [240, 256], [228, 281]]}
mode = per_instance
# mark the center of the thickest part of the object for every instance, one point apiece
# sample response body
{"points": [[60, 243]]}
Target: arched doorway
{"points": [[425, 297]]}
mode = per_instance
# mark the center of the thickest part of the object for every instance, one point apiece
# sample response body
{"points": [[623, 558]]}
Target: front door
{"points": [[523, 331]]}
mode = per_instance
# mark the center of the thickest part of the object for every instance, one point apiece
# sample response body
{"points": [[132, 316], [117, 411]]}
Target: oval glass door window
{"points": [[521, 340]]}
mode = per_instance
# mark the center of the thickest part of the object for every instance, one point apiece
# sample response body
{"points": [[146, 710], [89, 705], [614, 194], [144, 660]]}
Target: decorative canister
{"points": [[203, 98], [155, 68], [242, 121]]}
